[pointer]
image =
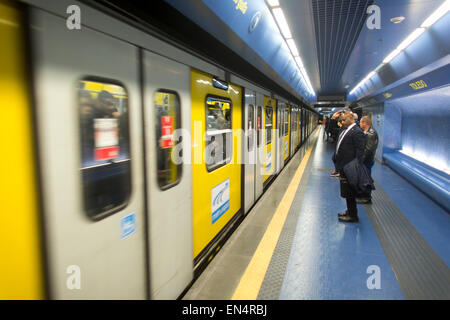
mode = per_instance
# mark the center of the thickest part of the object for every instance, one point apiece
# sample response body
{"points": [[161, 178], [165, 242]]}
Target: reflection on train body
{"points": [[146, 162]]}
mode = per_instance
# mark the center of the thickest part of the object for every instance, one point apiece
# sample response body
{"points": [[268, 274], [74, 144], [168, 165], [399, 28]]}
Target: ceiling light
{"points": [[397, 19], [273, 3], [379, 67], [413, 36], [436, 15], [299, 62], [370, 75], [282, 23], [293, 47], [391, 56]]}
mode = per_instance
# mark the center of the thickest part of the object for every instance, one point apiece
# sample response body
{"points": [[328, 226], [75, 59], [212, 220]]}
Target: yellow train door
{"points": [[216, 155], [21, 269]]}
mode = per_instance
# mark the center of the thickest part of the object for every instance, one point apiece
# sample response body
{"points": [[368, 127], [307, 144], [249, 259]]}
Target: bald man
{"points": [[350, 145]]}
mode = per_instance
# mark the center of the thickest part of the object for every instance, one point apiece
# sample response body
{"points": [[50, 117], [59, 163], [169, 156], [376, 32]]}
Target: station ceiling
{"points": [[337, 47]]}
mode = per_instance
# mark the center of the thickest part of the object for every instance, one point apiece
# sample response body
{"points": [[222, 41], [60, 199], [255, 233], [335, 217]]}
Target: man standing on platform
{"points": [[350, 145], [369, 152]]}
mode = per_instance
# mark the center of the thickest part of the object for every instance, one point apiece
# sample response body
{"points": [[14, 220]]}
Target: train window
{"points": [[286, 122], [268, 126], [105, 146], [250, 126], [293, 121], [258, 122], [280, 122], [167, 120], [219, 136]]}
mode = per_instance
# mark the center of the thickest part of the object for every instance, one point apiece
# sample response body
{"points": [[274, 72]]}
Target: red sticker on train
{"points": [[166, 132], [106, 138]]}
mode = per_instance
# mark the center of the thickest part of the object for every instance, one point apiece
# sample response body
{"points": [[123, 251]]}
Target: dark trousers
{"points": [[349, 194], [351, 207]]}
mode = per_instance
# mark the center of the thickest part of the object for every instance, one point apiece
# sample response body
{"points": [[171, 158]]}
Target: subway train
{"points": [[126, 160]]}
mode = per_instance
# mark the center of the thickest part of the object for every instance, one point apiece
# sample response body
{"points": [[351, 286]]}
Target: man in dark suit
{"points": [[350, 145]]}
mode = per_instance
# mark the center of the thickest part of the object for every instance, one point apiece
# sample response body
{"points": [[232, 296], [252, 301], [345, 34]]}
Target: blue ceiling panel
{"points": [[374, 45], [431, 49], [434, 75], [337, 26]]}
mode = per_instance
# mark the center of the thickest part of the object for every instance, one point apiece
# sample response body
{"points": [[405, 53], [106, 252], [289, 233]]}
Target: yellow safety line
{"points": [[250, 284]]}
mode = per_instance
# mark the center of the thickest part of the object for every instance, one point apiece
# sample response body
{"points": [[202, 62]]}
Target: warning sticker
{"points": [[166, 132], [106, 138]]}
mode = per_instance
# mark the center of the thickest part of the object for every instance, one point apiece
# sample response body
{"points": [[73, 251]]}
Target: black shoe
{"points": [[341, 214], [348, 218], [364, 201], [334, 174]]}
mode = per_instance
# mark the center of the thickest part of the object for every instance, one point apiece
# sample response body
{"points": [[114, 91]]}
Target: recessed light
{"points": [[397, 19]]}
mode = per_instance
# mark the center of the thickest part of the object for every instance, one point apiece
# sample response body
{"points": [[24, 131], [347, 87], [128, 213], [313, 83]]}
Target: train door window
{"points": [[268, 126], [293, 119], [219, 137], [105, 146], [168, 119], [296, 120], [258, 126], [280, 122], [250, 126], [286, 122]]}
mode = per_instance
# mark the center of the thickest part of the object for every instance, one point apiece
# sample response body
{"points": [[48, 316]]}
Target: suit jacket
{"points": [[358, 177], [352, 146]]}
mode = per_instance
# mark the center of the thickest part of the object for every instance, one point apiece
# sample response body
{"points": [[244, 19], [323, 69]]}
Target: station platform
{"points": [[291, 245]]}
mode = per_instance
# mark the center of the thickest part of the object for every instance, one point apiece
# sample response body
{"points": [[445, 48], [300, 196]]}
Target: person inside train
{"points": [[228, 117], [350, 145], [102, 107], [105, 106], [86, 106], [371, 144]]}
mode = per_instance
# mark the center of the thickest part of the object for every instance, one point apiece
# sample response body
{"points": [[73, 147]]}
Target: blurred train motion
{"points": [[95, 201]]}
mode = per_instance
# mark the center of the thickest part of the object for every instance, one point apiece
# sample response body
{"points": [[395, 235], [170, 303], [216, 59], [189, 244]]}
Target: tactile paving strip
{"points": [[273, 280], [420, 272]]}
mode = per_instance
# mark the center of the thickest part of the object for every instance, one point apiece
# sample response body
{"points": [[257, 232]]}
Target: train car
{"points": [[132, 159]]}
